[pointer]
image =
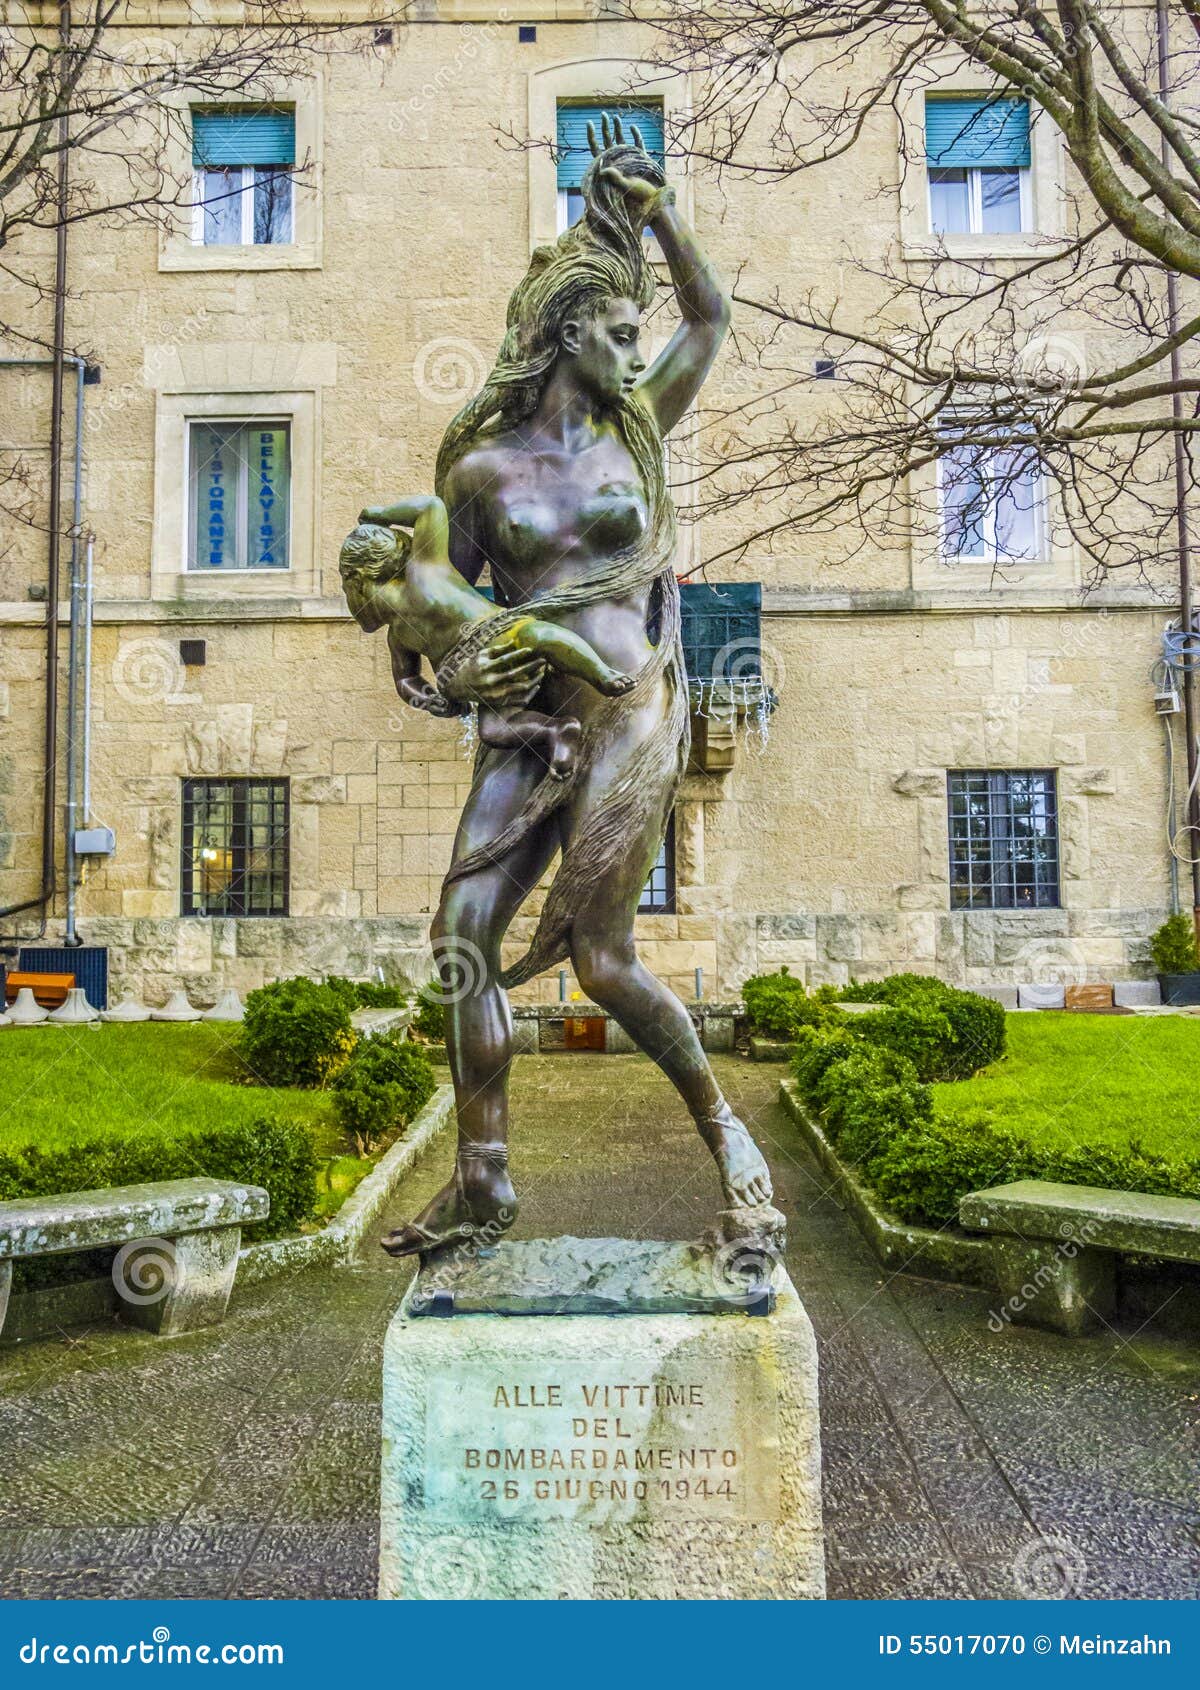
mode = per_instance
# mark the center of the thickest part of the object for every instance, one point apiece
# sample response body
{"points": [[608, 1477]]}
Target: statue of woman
{"points": [[554, 475]]}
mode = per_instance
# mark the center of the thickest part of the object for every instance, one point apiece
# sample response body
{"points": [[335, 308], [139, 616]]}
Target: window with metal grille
{"points": [[242, 160], [239, 486], [235, 847], [658, 894], [573, 155], [978, 153], [722, 629], [1003, 839]]}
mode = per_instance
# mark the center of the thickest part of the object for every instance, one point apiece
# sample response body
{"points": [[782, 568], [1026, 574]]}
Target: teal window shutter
{"points": [[571, 145], [245, 135], [967, 133]]}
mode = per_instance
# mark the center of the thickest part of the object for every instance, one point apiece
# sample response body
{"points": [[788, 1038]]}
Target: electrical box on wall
{"points": [[95, 841]]}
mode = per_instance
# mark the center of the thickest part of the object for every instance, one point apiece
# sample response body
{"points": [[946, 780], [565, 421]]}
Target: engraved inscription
{"points": [[601, 1449]]}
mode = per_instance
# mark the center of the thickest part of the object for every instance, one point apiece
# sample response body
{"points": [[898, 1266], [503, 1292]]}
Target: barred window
{"points": [[658, 894], [235, 847], [1003, 839]]}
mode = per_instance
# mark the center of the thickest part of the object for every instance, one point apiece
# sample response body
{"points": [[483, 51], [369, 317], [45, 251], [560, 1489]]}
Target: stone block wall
{"points": [[826, 849]]}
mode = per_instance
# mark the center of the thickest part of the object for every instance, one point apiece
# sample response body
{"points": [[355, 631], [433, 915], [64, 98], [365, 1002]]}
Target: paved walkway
{"points": [[243, 1461]]}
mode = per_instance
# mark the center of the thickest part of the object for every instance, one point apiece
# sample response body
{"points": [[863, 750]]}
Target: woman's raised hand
{"points": [[637, 190]]}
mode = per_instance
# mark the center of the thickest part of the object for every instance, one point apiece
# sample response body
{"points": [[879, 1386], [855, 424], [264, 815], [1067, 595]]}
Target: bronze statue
{"points": [[554, 475]]}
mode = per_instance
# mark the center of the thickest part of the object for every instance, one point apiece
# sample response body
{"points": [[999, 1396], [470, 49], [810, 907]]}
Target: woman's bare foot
{"points": [[745, 1177], [565, 747], [479, 1202], [614, 682]]}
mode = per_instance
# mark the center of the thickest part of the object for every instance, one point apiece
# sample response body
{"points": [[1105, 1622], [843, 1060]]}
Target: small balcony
{"points": [[722, 648]]}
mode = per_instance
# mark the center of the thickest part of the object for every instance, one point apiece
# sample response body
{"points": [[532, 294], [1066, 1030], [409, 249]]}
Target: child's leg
{"points": [[566, 652], [555, 739]]}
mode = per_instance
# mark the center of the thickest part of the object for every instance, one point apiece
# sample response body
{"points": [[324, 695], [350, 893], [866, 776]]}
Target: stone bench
{"points": [[178, 1244], [1055, 1246]]}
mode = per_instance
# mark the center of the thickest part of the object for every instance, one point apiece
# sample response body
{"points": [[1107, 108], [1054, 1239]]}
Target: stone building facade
{"points": [[824, 846]]}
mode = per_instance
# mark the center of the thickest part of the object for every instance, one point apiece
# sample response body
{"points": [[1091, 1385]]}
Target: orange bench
{"points": [[50, 990]]}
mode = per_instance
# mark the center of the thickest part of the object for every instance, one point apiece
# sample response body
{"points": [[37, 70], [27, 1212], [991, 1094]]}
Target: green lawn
{"points": [[1072, 1080], [60, 1084]]}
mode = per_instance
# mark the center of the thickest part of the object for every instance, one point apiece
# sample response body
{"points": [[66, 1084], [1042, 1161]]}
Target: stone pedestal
{"points": [[664, 1451]]}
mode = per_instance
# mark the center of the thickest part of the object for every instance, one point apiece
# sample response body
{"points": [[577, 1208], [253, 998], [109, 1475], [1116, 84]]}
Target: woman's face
{"points": [[604, 351]]}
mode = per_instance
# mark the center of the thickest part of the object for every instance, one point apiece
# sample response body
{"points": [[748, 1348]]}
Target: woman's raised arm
{"points": [[677, 374]]}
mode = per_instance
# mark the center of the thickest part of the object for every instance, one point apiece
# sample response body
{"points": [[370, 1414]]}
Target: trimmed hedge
{"points": [[867, 1081], [296, 1033], [430, 1019], [272, 1152], [777, 1005], [380, 1089], [946, 1033], [367, 994]]}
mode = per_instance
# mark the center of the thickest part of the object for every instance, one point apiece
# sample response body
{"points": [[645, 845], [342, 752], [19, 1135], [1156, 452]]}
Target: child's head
{"points": [[371, 555]]}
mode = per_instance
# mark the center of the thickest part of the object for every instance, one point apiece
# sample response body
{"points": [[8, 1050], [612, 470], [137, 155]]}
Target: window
{"points": [[977, 152], [235, 847], [239, 485], [243, 159], [991, 500], [721, 626], [573, 154], [1003, 839], [658, 894]]}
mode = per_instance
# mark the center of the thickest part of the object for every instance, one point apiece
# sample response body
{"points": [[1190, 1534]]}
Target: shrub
{"points": [[277, 1154], [921, 1034], [949, 1034], [922, 1173], [367, 994], [816, 1050], [866, 1080], [296, 1033], [868, 1099], [380, 1089], [1173, 946], [778, 1006], [980, 1032], [430, 1019]]}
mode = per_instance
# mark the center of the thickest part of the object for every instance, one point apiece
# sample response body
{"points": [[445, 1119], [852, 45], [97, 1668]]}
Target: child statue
{"points": [[408, 585]]}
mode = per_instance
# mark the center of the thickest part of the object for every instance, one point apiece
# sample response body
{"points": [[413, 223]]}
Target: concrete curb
{"points": [[341, 1238], [917, 1250]]}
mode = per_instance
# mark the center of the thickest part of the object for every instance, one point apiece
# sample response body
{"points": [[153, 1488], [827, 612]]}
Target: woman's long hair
{"points": [[600, 258], [597, 260]]}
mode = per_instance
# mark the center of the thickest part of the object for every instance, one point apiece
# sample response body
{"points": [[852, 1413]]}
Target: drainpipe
{"points": [[88, 601], [57, 362], [50, 790], [73, 649], [1189, 658]]}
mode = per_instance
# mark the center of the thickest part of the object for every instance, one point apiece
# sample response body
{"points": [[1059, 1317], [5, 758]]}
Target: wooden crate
{"points": [[1090, 997], [49, 990]]}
